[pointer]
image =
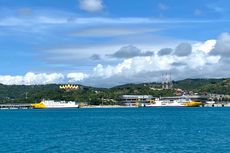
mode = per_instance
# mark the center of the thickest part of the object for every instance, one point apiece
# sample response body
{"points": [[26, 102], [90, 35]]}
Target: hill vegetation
{"points": [[96, 96]]}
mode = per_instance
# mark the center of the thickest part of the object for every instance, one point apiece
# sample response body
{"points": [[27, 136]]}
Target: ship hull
{"points": [[61, 107]]}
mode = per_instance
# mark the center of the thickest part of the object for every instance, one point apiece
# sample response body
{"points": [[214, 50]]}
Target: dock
{"points": [[217, 105], [15, 106]]}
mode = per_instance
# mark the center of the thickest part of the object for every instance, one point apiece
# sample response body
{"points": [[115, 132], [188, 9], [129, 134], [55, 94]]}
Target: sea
{"points": [[119, 130]]}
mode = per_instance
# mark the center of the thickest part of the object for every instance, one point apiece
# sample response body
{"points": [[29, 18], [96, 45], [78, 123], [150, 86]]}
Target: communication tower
{"points": [[167, 81]]}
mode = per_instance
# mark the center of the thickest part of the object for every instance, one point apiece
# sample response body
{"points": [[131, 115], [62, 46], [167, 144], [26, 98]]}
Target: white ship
{"points": [[174, 102], [55, 104]]}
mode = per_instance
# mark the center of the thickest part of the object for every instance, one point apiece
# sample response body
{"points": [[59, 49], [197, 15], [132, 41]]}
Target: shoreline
{"points": [[108, 106], [28, 106]]}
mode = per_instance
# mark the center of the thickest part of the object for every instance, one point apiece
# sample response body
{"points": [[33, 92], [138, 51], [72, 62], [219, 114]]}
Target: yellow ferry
{"points": [[174, 102], [55, 104]]}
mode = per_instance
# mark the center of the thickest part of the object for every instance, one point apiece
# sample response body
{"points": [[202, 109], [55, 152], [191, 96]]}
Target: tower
{"points": [[167, 81]]}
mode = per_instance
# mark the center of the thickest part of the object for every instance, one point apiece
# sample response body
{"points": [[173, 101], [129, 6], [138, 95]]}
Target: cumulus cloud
{"points": [[136, 65], [146, 69], [183, 49], [91, 5], [222, 46], [32, 78], [206, 47], [75, 77], [197, 62], [41, 78], [129, 52], [165, 51], [202, 59]]}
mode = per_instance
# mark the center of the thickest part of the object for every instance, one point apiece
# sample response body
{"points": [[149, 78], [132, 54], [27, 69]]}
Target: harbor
{"points": [[137, 104], [165, 94]]}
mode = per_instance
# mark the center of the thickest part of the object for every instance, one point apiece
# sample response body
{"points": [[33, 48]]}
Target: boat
{"points": [[210, 102], [54, 104], [174, 102]]}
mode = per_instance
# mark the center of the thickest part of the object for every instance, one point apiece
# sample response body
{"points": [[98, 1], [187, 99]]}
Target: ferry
{"points": [[55, 104], [174, 102]]}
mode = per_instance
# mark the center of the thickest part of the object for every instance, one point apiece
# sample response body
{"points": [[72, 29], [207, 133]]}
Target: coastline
{"points": [[108, 106]]}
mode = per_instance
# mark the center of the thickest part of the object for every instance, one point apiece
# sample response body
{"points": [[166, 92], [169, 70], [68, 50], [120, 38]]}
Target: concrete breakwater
{"points": [[219, 104], [15, 106]]}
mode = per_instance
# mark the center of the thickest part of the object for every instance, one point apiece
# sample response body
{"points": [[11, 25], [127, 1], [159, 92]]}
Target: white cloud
{"points": [[108, 71], [91, 5], [222, 46], [206, 47], [32, 78], [133, 66], [131, 69], [137, 69], [147, 69], [74, 77], [41, 78], [198, 63]]}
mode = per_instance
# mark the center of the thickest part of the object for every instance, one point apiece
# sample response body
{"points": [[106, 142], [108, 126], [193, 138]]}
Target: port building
{"points": [[134, 100]]}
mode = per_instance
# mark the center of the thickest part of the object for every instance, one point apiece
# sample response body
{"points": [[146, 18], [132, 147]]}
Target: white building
{"points": [[133, 100]]}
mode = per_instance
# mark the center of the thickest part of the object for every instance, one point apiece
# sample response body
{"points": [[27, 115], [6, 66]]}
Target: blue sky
{"points": [[111, 42]]}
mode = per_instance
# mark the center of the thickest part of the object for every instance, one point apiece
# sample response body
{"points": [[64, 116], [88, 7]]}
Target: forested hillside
{"points": [[35, 93]]}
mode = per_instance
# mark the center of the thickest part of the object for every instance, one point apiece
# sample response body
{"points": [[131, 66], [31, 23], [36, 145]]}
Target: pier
{"points": [[219, 104], [15, 106]]}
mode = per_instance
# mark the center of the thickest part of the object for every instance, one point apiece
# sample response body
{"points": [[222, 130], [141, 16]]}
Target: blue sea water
{"points": [[128, 130]]}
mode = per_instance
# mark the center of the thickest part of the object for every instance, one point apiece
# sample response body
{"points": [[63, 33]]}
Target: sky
{"points": [[105, 43]]}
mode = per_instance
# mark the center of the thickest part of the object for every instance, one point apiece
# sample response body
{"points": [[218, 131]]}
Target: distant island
{"points": [[110, 96]]}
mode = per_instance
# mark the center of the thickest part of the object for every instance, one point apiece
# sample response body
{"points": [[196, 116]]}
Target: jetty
{"points": [[217, 105], [15, 106]]}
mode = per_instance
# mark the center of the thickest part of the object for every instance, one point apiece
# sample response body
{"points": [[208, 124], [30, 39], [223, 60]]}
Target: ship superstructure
{"points": [[55, 104], [174, 102]]}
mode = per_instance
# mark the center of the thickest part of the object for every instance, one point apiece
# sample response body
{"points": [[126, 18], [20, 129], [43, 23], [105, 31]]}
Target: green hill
{"points": [[217, 86], [31, 94]]}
